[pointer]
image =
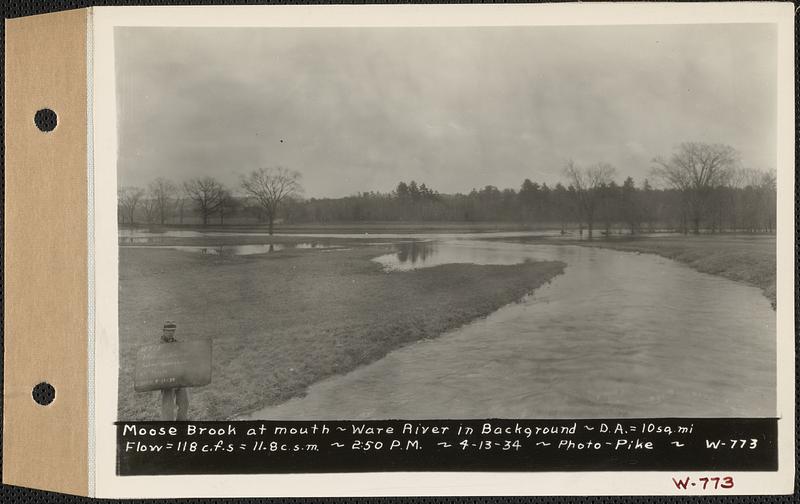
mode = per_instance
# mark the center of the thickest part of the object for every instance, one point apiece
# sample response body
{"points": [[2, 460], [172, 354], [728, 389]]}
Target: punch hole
{"points": [[44, 393], [45, 119]]}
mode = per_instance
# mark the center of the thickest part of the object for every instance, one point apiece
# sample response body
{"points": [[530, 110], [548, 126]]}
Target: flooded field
{"points": [[130, 236], [618, 334], [264, 248]]}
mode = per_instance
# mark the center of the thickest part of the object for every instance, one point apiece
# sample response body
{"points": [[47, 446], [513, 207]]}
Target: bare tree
{"points": [[181, 205], [769, 188], [228, 205], [206, 193], [163, 192], [760, 200], [731, 196], [182, 202], [128, 198], [587, 183], [150, 207], [695, 170], [270, 187]]}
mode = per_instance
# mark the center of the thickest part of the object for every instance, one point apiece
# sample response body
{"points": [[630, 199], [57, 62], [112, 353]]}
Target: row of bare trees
{"points": [[588, 183], [267, 189], [714, 189], [702, 187]]}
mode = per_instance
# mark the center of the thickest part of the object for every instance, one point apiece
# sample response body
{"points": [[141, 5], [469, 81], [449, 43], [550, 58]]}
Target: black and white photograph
{"points": [[380, 223]]}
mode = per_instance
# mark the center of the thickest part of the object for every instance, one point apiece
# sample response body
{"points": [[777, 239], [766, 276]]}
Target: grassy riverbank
{"points": [[748, 259], [284, 320]]}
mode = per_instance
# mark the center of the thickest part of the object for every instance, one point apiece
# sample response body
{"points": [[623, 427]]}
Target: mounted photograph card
{"points": [[400, 250]]}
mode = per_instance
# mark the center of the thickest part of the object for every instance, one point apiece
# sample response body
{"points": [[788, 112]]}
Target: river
{"points": [[619, 334]]}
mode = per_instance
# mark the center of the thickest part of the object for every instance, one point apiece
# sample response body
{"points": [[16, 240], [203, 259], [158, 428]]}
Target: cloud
{"points": [[358, 109]]}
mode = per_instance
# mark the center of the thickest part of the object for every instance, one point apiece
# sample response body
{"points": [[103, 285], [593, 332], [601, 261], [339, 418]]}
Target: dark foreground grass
{"points": [[748, 259], [282, 321]]}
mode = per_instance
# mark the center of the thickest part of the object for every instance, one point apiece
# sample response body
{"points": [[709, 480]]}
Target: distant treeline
{"points": [[730, 199], [619, 207]]}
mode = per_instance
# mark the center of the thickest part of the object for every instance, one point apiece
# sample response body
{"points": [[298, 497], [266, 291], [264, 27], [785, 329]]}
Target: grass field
{"points": [[284, 320], [748, 259]]}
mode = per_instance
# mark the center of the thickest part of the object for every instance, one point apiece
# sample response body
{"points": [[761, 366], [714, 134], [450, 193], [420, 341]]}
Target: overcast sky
{"points": [[357, 109]]}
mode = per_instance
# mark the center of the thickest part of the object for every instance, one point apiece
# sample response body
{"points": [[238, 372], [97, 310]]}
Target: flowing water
{"points": [[617, 335]]}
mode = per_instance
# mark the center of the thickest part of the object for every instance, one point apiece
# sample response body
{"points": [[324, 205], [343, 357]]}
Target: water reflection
{"points": [[182, 233], [240, 250], [414, 251], [426, 254], [171, 233], [140, 240]]}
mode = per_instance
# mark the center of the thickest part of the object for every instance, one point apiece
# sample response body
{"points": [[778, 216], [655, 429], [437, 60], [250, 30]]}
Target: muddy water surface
{"points": [[617, 335]]}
